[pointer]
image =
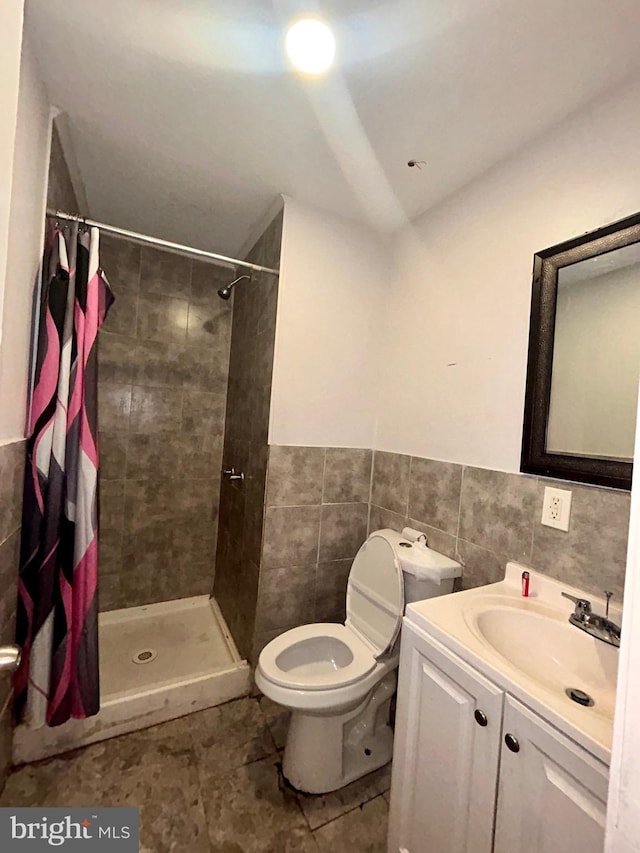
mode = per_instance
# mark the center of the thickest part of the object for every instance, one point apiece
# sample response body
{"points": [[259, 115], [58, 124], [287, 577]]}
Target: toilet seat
{"points": [[326, 656], [320, 656]]}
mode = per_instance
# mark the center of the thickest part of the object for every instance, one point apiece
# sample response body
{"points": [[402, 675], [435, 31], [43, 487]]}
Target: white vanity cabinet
{"points": [[457, 787], [552, 794], [446, 753]]}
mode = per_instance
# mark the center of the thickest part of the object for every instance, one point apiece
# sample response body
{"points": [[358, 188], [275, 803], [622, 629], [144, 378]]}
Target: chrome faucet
{"points": [[600, 627]]}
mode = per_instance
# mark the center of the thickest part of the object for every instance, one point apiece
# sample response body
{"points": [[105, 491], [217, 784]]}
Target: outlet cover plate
{"points": [[556, 508]]}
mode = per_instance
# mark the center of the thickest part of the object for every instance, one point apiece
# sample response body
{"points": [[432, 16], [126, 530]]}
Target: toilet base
{"points": [[325, 752]]}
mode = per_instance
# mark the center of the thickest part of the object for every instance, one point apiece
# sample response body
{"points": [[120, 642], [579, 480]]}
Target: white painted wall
{"points": [[596, 359], [334, 274], [26, 228], [11, 19], [458, 308]]}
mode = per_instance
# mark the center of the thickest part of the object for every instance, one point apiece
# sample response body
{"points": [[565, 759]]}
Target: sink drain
{"points": [[145, 656], [579, 696]]}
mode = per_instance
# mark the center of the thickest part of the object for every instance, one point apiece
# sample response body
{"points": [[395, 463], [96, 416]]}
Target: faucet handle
{"points": [[583, 605], [608, 596]]}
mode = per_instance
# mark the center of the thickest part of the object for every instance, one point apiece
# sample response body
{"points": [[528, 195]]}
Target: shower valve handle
{"points": [[232, 474]]}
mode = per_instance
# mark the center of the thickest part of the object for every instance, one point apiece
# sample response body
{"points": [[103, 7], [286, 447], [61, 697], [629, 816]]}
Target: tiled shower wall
{"points": [[163, 368], [245, 444], [12, 457], [319, 500]]}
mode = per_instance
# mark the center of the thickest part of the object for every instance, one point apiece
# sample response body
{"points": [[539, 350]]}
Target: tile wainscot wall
{"points": [[485, 518], [322, 502], [317, 509]]}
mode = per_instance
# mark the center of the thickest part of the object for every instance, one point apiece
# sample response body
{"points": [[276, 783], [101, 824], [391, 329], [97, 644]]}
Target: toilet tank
{"points": [[426, 573], [417, 589]]}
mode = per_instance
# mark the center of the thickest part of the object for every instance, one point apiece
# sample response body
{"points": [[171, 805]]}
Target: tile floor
{"points": [[210, 783]]}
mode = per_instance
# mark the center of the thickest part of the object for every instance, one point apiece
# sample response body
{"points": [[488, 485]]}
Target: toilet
{"points": [[338, 680]]}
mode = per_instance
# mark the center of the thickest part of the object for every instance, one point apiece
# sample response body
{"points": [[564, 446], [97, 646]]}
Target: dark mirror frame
{"points": [[535, 459]]}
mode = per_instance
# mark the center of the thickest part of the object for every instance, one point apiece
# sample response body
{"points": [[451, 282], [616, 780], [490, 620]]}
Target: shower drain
{"points": [[145, 656]]}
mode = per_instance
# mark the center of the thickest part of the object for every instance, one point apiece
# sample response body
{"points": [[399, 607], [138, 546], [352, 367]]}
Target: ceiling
{"points": [[187, 123]]}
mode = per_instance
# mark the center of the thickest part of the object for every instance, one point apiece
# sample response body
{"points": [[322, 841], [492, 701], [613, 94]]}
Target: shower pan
{"points": [[157, 662]]}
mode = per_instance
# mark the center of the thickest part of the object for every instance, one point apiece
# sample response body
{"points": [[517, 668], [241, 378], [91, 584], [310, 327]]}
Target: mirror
{"points": [[584, 358]]}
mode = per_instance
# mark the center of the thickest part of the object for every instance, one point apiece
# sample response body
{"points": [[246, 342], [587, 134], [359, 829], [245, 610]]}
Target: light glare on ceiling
{"points": [[311, 46]]}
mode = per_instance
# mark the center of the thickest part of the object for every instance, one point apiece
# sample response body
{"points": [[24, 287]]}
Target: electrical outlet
{"points": [[556, 508]]}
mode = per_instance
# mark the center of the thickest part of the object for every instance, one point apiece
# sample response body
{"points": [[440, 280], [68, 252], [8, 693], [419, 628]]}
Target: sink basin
{"points": [[526, 647], [545, 647]]}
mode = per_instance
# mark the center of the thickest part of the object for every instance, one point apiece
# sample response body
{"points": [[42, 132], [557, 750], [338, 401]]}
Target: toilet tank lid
{"points": [[421, 561]]}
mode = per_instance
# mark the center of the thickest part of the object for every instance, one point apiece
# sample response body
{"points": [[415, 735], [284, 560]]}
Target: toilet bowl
{"points": [[338, 680]]}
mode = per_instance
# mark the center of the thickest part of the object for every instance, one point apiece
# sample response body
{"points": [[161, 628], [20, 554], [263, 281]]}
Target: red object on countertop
{"points": [[525, 584]]}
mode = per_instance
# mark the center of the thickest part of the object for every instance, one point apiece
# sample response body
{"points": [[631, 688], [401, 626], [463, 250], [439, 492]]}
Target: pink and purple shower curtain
{"points": [[57, 623]]}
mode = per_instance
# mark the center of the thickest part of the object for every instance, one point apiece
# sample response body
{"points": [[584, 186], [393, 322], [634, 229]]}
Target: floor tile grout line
{"points": [[349, 811]]}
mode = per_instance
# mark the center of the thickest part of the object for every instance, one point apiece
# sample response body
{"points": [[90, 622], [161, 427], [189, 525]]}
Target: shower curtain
{"points": [[57, 621]]}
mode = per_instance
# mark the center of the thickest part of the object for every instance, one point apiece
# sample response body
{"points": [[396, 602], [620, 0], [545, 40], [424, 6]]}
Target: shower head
{"points": [[225, 292]]}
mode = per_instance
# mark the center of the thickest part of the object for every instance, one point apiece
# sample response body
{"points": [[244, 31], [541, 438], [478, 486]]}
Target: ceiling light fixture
{"points": [[311, 46]]}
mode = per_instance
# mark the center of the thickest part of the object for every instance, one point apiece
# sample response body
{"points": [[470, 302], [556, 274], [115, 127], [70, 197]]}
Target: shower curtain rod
{"points": [[167, 244]]}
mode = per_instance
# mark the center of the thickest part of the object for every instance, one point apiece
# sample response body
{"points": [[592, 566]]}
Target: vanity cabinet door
{"points": [[446, 753], [552, 794]]}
